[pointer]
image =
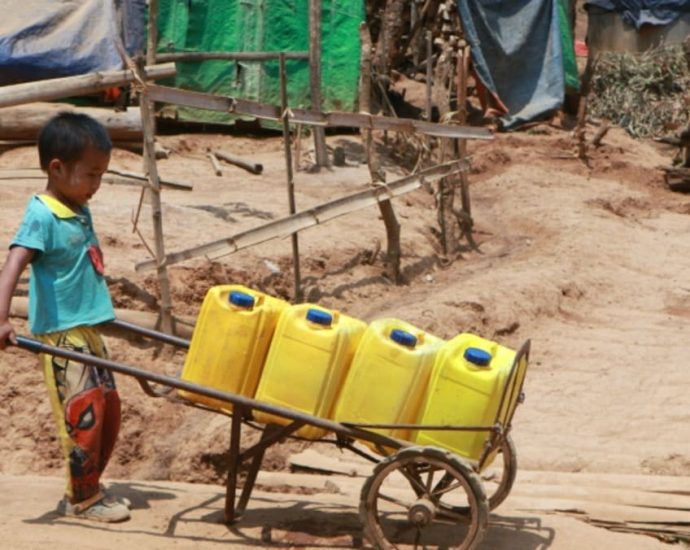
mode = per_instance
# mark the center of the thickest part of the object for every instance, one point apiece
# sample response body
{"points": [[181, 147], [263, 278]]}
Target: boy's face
{"points": [[76, 182]]}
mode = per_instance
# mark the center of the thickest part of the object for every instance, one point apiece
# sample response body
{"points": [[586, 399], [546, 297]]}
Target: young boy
{"points": [[68, 297]]}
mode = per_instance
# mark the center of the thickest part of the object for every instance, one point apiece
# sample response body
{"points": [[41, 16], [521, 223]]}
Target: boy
{"points": [[68, 296]]}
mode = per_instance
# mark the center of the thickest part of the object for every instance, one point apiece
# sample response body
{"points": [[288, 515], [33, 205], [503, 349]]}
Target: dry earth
{"points": [[589, 262]]}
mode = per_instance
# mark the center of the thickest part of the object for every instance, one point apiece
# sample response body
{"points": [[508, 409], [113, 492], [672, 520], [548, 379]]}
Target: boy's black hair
{"points": [[66, 135]]}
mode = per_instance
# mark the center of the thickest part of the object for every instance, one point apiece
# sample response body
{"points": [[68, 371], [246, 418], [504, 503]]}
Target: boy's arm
{"points": [[16, 262]]}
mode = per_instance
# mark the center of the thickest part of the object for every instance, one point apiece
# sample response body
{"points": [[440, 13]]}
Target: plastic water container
{"points": [[466, 388], [230, 342], [307, 362], [388, 377]]}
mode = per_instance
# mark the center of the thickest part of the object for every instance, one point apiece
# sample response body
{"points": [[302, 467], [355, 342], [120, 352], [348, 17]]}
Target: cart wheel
{"points": [[423, 497], [499, 477]]}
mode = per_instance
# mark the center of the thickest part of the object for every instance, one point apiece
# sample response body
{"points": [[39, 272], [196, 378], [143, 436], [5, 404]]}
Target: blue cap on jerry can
{"points": [[241, 299], [478, 357], [403, 337], [319, 317]]}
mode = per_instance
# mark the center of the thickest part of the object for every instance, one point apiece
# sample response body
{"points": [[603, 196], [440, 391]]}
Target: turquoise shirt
{"points": [[65, 290]]}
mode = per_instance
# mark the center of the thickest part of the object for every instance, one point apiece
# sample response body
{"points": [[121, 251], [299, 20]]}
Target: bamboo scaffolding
{"points": [[305, 219], [58, 88]]}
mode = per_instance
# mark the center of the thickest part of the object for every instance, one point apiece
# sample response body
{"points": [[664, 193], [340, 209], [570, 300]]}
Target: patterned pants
{"points": [[86, 407]]}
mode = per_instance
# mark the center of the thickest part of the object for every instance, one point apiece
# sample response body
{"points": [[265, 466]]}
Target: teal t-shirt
{"points": [[65, 288]]}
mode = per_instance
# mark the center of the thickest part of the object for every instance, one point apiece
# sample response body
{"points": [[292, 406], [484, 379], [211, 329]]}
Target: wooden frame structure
{"points": [[140, 78]]}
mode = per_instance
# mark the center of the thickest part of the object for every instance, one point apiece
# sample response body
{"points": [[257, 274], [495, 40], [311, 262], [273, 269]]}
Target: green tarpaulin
{"points": [[262, 25], [572, 79]]}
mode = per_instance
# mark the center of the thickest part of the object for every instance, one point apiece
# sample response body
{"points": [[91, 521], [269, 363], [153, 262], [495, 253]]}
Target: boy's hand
{"points": [[7, 335]]}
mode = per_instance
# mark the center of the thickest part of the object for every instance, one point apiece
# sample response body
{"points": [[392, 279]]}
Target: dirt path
{"points": [[185, 516], [587, 262]]}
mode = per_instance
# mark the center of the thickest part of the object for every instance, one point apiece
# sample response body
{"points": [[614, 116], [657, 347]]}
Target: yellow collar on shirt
{"points": [[56, 207]]}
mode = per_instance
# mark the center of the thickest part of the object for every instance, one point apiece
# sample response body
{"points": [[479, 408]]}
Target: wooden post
{"points": [[585, 86], [249, 166], [290, 178], [465, 216], [414, 16], [152, 40], [429, 75], [154, 194], [315, 78], [376, 174], [445, 195]]}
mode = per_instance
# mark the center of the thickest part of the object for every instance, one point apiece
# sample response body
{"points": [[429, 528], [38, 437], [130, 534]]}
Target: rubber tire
{"points": [[510, 465]]}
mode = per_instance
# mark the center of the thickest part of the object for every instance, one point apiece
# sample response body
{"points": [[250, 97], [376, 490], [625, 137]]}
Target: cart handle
{"points": [[143, 377]]}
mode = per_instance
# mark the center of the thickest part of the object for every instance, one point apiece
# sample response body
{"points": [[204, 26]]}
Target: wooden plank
{"points": [[312, 118], [58, 88], [311, 217], [663, 483], [312, 460]]}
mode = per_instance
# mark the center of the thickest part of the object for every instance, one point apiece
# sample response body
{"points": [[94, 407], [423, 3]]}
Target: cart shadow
{"points": [[298, 523], [518, 532]]}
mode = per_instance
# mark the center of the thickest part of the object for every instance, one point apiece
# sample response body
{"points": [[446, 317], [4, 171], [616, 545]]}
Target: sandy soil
{"points": [[586, 261]]}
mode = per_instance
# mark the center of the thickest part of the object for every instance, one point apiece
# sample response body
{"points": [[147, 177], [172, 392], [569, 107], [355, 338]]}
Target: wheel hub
{"points": [[422, 512]]}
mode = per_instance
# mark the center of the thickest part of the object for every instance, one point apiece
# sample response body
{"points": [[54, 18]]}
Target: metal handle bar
{"points": [[144, 376]]}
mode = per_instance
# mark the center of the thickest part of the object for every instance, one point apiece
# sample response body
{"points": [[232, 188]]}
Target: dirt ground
{"points": [[586, 260]]}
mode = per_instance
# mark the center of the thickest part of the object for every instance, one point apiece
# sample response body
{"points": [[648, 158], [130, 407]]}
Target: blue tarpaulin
{"points": [[644, 12], [42, 39], [517, 55]]}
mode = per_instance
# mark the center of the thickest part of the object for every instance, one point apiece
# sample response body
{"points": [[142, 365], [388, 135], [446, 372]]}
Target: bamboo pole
{"points": [[311, 217], [315, 78], [229, 56], [215, 163], [290, 178], [183, 328], [143, 177], [58, 88], [154, 194], [152, 37]]}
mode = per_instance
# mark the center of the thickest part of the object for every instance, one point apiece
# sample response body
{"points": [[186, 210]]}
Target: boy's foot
{"points": [[110, 497], [98, 508]]}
